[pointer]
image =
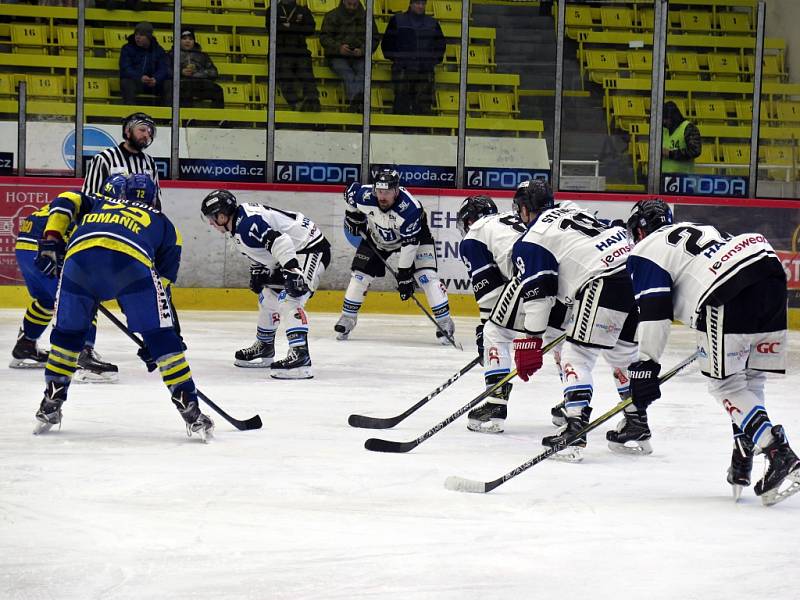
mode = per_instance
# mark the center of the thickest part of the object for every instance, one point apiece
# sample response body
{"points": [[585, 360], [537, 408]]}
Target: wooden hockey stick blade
{"points": [[378, 445]]}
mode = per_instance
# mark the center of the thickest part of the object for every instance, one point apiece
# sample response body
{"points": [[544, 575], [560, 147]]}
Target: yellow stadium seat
{"points": [[7, 87], [29, 38], [381, 98], [647, 19], [315, 47], [330, 96], [96, 88], [579, 17], [692, 21], [394, 6], [164, 38], [616, 17], [788, 113], [772, 69], [115, 39], [196, 5], [779, 155], [710, 110], [707, 155], [683, 65], [723, 66], [320, 7], [236, 94], [237, 5], [602, 63], [46, 86], [730, 22], [452, 54], [641, 156], [744, 110], [254, 48], [736, 154], [640, 61], [217, 45], [260, 95], [447, 10], [496, 103], [447, 101], [628, 109], [67, 38], [480, 56]]}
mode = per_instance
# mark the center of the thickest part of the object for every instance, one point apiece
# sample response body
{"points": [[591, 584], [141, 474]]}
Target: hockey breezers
{"points": [[446, 335], [387, 423], [460, 484], [378, 445], [251, 423]]}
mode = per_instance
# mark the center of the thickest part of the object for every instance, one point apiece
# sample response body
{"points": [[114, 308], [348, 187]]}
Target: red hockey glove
{"points": [[527, 356]]}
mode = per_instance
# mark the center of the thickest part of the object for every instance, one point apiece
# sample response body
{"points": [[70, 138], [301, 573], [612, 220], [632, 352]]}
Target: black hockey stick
{"points": [[378, 445], [378, 423], [422, 308], [251, 423], [460, 484]]}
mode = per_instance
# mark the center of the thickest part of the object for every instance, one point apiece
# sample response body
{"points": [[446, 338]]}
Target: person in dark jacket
{"points": [[680, 141], [143, 67], [414, 42], [197, 73], [343, 35], [293, 58]]}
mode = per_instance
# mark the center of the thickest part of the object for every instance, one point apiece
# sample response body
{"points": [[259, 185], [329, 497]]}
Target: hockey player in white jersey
{"points": [[289, 254], [391, 220], [732, 291], [567, 255]]}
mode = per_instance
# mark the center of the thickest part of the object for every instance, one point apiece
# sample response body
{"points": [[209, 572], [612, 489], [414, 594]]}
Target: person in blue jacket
{"points": [[144, 67]]}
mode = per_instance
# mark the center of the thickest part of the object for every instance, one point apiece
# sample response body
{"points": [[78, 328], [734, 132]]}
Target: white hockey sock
{"points": [[356, 291]]}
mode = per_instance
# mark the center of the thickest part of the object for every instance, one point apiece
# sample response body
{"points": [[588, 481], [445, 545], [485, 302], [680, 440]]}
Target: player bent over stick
{"points": [[393, 221], [567, 255], [289, 254], [732, 291], [120, 251]]}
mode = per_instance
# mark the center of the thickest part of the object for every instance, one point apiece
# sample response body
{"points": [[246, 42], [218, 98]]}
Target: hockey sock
{"points": [[266, 336], [175, 372], [61, 364], [355, 294], [435, 292], [744, 407], [575, 400], [91, 335], [297, 332], [36, 320]]}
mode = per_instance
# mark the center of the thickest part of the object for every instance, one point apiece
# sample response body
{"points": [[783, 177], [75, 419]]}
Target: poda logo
{"points": [[768, 347], [479, 285]]}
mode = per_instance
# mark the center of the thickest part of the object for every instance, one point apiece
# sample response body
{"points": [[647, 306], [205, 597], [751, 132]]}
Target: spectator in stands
{"points": [[197, 72], [414, 42], [143, 67], [680, 141], [293, 58], [343, 34]]}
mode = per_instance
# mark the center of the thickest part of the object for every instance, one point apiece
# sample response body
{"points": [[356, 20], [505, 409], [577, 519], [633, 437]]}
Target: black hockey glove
{"points": [[479, 341], [144, 354], [50, 257], [405, 283], [259, 277], [645, 387], [294, 283], [355, 223]]}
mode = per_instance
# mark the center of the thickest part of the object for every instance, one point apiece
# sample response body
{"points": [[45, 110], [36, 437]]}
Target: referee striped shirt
{"points": [[112, 161]]}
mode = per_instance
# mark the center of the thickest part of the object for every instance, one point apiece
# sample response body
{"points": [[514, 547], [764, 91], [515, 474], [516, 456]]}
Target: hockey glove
{"points": [[294, 282], [144, 354], [479, 341], [645, 387], [355, 223], [405, 283], [50, 257], [259, 277], [527, 356]]}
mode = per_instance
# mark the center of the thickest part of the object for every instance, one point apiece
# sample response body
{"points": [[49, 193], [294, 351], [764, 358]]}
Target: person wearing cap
{"points": [[143, 67], [197, 73], [415, 44]]}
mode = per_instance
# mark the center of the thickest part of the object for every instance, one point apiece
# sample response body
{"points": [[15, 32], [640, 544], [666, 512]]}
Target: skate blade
{"points": [[42, 427], [570, 454], [26, 363], [253, 364], [86, 376], [642, 448], [485, 426], [776, 495], [299, 373], [736, 491], [342, 336]]}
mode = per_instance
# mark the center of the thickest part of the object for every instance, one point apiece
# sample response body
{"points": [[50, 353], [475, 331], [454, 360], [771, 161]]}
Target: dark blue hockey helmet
{"points": [[535, 195], [218, 201], [139, 187], [114, 186], [387, 179], [646, 217], [472, 209]]}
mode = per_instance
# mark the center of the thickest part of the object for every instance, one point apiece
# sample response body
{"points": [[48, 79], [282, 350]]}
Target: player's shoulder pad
{"points": [[406, 205], [550, 216]]}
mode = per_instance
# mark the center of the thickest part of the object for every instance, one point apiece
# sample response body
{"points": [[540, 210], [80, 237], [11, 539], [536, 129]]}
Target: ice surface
{"points": [[120, 504]]}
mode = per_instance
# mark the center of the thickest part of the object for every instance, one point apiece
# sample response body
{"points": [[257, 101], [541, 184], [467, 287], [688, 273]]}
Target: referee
{"points": [[138, 132]]}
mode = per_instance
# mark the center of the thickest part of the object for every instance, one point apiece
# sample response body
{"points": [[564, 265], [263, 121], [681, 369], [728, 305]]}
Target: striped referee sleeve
{"points": [[116, 160]]}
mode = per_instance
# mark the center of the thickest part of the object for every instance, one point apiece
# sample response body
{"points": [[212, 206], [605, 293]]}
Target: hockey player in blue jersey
{"points": [[393, 221], [129, 251], [41, 279], [288, 254], [731, 289]]}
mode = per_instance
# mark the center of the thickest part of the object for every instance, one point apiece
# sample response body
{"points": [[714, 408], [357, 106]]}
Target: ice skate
{"points": [[296, 365], [49, 413], [741, 465], [782, 465], [558, 414], [632, 435], [569, 451], [196, 422], [449, 327], [257, 356], [487, 418], [344, 326], [93, 369], [26, 355]]}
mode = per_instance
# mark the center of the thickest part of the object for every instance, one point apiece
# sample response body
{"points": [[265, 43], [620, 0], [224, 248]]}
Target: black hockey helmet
{"points": [[135, 119], [218, 201], [647, 216], [387, 179], [472, 209], [534, 194]]}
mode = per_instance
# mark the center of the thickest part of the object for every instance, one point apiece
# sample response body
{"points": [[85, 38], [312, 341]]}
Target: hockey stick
{"points": [[422, 308], [378, 445], [251, 423], [378, 423], [460, 484]]}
